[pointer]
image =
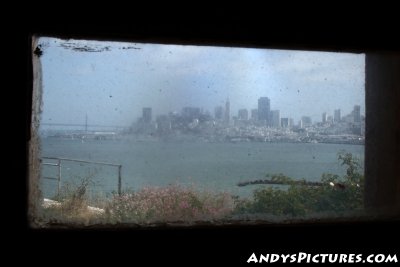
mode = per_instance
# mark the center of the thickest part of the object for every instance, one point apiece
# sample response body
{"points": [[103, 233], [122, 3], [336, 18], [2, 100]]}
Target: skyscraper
{"points": [[324, 117], [275, 118], [146, 115], [337, 117], [227, 111], [356, 113], [264, 110]]}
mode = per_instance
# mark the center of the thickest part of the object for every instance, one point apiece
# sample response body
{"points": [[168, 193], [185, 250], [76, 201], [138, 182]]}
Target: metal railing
{"points": [[58, 164]]}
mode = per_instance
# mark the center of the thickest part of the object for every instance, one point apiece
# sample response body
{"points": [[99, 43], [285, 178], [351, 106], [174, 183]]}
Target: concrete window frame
{"points": [[382, 86]]}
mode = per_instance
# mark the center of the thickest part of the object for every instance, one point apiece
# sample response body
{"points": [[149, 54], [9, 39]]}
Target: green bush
{"points": [[337, 194]]}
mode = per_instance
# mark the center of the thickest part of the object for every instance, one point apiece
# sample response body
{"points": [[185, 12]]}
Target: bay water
{"points": [[209, 166]]}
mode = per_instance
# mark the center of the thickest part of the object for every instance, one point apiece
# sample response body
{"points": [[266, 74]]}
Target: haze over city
{"points": [[111, 82]]}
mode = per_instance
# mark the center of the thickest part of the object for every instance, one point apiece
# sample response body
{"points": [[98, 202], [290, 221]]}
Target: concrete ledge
{"points": [[48, 203]]}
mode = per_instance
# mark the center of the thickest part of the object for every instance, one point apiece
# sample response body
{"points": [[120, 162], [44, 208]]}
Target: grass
{"points": [[72, 205]]}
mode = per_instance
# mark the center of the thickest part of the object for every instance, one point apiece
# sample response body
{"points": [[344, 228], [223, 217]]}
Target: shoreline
{"points": [[205, 140]]}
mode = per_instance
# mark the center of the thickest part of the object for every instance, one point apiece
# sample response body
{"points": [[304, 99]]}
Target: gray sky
{"points": [[116, 80]]}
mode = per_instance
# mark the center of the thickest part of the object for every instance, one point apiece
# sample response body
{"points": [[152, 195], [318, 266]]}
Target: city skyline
{"points": [[274, 115], [111, 82], [242, 114]]}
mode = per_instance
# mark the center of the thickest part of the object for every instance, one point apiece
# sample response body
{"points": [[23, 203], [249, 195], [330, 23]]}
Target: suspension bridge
{"points": [[86, 126]]}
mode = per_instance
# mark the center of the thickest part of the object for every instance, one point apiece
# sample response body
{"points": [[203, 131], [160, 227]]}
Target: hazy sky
{"points": [[113, 82]]}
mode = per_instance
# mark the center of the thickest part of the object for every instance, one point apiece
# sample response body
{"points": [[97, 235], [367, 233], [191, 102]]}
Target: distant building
{"points": [[264, 110], [357, 114], [330, 119], [306, 121], [324, 117], [190, 113], [275, 118], [284, 122], [349, 118], [254, 114], [146, 115], [356, 129], [163, 124], [337, 117], [291, 122], [218, 112], [243, 114], [227, 111]]}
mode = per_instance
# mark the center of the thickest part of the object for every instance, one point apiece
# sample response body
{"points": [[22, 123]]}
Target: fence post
{"points": [[59, 177], [119, 179]]}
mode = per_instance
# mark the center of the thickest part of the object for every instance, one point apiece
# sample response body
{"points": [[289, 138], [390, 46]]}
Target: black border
{"points": [[224, 245]]}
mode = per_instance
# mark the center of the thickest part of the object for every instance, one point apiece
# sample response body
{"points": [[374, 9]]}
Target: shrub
{"points": [[174, 203], [336, 195]]}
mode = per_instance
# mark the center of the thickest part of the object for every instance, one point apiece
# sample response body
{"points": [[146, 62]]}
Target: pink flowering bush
{"points": [[169, 204]]}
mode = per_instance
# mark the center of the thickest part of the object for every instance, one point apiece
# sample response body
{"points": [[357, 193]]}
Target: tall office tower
{"points": [[324, 117], [356, 113], [264, 110], [336, 117], [227, 111], [275, 118]]}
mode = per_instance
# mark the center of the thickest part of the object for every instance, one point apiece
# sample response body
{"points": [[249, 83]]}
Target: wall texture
{"points": [[382, 159]]}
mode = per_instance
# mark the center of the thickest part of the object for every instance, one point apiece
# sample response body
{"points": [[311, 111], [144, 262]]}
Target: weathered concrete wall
{"points": [[34, 141], [382, 159]]}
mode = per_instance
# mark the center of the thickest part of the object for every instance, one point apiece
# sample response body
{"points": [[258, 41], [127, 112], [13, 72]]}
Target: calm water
{"points": [[215, 166]]}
